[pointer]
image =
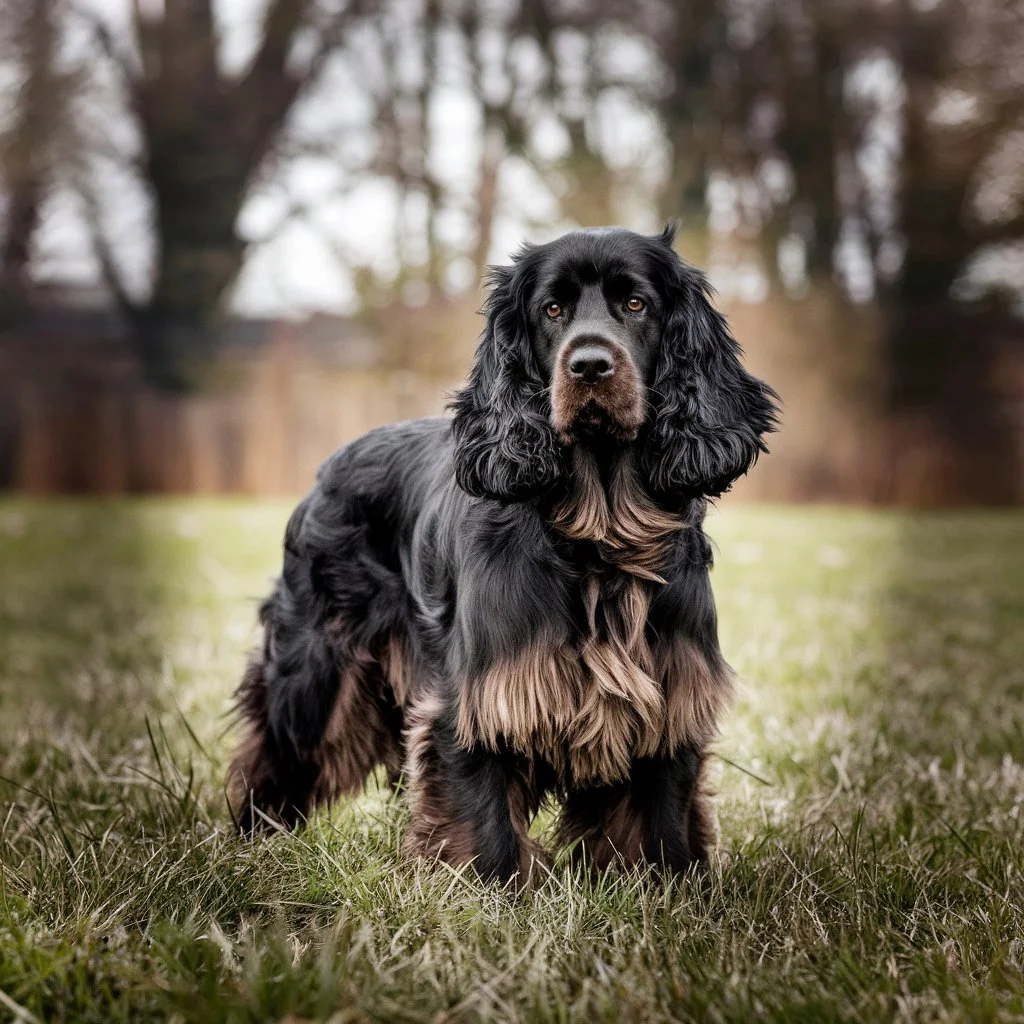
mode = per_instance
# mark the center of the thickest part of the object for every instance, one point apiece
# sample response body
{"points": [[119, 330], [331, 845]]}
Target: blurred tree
{"points": [[508, 63], [699, 111], [962, 63], [869, 131], [27, 147], [405, 58], [205, 134]]}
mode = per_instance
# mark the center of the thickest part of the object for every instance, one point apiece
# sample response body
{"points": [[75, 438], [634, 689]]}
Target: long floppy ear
{"points": [[710, 414], [504, 445]]}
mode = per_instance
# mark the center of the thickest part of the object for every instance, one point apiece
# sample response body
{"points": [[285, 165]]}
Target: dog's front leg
{"points": [[660, 815], [468, 806]]}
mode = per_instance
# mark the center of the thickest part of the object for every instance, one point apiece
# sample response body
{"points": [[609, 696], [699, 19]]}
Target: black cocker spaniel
{"points": [[515, 603]]}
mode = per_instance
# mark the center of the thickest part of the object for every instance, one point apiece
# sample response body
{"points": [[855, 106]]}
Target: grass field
{"points": [[870, 780]]}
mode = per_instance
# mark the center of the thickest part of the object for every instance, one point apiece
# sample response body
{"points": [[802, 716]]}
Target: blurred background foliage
{"points": [[234, 234]]}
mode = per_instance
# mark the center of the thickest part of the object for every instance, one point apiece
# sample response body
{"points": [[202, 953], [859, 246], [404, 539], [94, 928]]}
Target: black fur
{"points": [[505, 447], [437, 539], [710, 414]]}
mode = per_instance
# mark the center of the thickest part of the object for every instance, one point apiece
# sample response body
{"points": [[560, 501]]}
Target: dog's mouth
{"points": [[596, 391], [594, 419]]}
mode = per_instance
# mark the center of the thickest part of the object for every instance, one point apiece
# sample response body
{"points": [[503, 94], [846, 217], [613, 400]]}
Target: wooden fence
{"points": [[75, 417], [104, 432]]}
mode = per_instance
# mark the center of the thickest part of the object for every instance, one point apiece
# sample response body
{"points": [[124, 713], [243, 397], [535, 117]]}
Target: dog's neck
{"points": [[606, 504]]}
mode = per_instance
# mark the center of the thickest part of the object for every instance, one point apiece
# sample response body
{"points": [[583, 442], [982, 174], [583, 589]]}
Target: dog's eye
{"points": [[634, 304], [554, 310]]}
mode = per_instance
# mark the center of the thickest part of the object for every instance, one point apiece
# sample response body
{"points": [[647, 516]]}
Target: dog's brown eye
{"points": [[554, 310], [634, 304]]}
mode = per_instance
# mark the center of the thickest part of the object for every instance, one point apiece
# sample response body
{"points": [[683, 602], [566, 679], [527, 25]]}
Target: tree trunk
{"points": [[178, 331], [199, 177], [22, 220], [951, 426], [697, 117], [206, 134], [27, 157], [942, 354]]}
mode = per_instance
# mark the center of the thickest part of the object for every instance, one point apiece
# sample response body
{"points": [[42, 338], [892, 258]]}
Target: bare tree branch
{"points": [[147, 35], [263, 96], [1001, 232], [109, 269], [103, 35]]}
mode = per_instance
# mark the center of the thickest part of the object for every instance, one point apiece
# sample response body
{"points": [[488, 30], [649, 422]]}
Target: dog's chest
{"points": [[601, 696], [588, 705]]}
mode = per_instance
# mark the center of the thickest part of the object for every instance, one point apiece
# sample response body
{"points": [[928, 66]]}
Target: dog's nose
{"points": [[591, 364]]}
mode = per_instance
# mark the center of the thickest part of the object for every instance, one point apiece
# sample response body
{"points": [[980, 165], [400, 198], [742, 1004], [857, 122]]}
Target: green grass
{"points": [[870, 781]]}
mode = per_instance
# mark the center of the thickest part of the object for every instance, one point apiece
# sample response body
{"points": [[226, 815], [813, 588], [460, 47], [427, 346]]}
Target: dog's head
{"points": [[606, 336]]}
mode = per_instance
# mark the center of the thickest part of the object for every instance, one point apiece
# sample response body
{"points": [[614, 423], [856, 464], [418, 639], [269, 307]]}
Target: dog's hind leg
{"points": [[316, 729], [320, 704], [270, 780]]}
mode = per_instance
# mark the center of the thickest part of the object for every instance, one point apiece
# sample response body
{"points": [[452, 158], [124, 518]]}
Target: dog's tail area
{"points": [[266, 786], [284, 707], [321, 701]]}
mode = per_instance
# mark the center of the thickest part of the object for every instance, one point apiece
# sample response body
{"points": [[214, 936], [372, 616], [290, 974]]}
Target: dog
{"points": [[514, 603]]}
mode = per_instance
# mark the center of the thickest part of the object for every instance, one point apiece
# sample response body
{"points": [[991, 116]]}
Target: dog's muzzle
{"points": [[596, 389]]}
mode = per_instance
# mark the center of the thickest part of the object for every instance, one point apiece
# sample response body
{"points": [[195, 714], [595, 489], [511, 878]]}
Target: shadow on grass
{"points": [[82, 614], [123, 626]]}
